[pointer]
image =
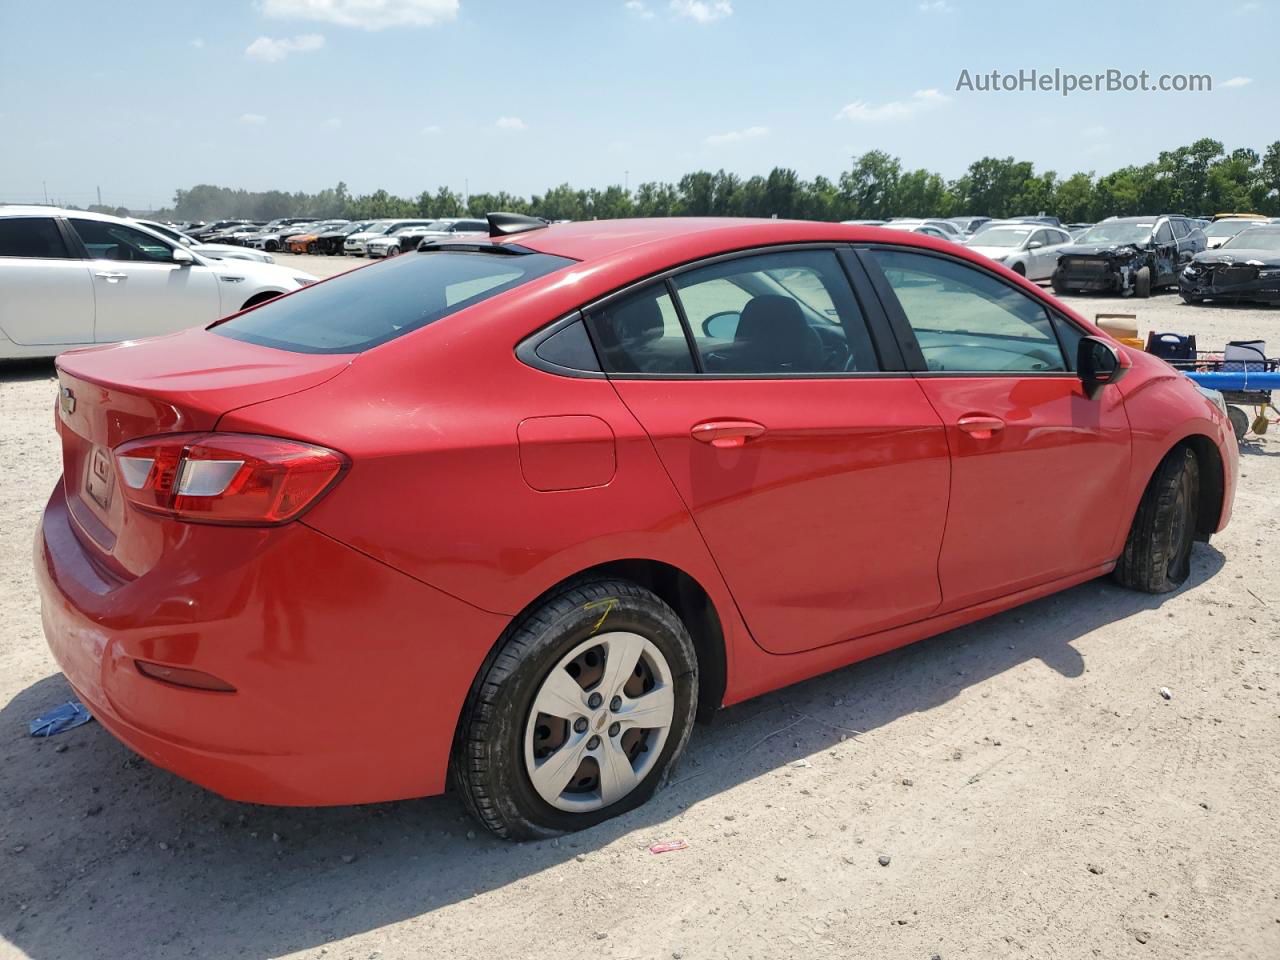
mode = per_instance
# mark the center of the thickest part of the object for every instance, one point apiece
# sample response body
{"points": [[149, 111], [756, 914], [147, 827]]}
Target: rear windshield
{"points": [[367, 307]]}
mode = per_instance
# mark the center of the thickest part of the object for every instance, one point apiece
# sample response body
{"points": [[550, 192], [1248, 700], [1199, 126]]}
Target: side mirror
{"points": [[183, 257], [721, 326], [1098, 363], [1034, 245]]}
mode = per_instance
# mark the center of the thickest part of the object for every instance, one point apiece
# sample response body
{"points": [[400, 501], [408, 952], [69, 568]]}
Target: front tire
{"points": [[1142, 283], [1157, 553], [580, 715]]}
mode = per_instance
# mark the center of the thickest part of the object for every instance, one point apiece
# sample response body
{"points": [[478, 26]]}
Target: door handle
{"points": [[727, 434], [980, 426], [110, 276]]}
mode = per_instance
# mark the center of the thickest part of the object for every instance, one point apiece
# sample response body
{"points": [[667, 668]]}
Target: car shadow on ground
{"points": [[21, 371], [94, 835]]}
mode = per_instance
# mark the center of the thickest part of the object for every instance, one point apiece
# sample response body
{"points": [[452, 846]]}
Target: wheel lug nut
{"points": [[580, 725], [615, 704], [614, 728], [593, 743], [594, 700]]}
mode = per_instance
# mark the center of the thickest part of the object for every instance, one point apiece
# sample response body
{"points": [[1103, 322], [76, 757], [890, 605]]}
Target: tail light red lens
{"points": [[226, 477]]}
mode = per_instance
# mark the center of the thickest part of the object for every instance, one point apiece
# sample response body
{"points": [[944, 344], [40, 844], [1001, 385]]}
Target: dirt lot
{"points": [[1035, 795]]}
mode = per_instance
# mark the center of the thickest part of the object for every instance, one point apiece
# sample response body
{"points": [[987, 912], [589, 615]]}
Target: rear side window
{"points": [[365, 308], [31, 237]]}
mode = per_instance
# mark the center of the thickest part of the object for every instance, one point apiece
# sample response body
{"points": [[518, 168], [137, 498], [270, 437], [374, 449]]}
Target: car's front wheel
{"points": [[1157, 553], [581, 713], [1142, 285]]}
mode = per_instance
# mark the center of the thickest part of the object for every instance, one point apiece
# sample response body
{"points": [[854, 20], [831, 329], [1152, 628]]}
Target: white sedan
{"points": [[1030, 249], [73, 279]]}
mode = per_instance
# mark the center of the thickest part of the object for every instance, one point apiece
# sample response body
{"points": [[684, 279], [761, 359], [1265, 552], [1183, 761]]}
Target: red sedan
{"points": [[515, 510]]}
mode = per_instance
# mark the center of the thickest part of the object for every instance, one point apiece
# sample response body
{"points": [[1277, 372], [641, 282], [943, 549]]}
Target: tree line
{"points": [[1200, 179]]}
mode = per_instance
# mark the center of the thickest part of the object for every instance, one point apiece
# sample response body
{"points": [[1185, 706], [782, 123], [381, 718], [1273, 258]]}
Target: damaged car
{"points": [[1246, 267], [1131, 256]]}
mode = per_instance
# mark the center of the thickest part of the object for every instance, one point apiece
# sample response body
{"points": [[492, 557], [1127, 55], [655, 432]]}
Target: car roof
{"points": [[662, 241], [36, 210]]}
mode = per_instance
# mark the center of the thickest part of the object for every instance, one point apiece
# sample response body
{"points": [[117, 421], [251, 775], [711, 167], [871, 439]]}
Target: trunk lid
{"points": [[175, 384]]}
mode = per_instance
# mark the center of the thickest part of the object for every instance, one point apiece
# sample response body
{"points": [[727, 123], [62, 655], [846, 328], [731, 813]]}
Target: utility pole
{"points": [[45, 187], [626, 181], [99, 196]]}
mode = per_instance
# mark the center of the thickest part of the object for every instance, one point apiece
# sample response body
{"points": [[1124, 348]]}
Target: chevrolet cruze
{"points": [[509, 513]]}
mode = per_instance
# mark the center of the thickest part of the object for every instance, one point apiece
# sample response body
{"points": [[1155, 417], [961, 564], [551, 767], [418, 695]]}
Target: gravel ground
{"points": [[1016, 788]]}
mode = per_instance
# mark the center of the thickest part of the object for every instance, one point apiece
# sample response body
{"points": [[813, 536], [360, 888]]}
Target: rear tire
{"points": [[504, 742], [1058, 286], [1142, 283], [1157, 553]]}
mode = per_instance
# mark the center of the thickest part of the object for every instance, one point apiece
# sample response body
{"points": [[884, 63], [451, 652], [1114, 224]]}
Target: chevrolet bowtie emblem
{"points": [[67, 400]]}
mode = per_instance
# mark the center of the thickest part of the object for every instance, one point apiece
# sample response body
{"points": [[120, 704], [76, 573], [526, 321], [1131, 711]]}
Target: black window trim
{"points": [[883, 342], [906, 337], [527, 349]]}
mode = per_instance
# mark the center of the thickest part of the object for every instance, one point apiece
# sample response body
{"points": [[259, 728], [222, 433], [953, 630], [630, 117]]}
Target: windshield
{"points": [[1256, 238], [379, 227], [356, 228], [363, 308], [1228, 228], [1118, 231], [1000, 237]]}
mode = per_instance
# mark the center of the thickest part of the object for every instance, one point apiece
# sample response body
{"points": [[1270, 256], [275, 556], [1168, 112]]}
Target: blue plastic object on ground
{"points": [[66, 717], [1237, 380]]}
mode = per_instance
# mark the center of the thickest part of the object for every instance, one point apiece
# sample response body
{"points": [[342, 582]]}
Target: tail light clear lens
{"points": [[226, 477]]}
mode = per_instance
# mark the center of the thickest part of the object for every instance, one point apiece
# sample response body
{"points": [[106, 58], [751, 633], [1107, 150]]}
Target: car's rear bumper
{"points": [[349, 676]]}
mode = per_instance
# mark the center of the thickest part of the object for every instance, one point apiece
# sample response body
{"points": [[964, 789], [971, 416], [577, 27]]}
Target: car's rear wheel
{"points": [[1142, 283], [1157, 553], [581, 713]]}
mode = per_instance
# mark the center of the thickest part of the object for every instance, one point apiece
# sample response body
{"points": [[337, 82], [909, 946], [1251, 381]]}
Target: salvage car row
{"points": [[335, 237]]}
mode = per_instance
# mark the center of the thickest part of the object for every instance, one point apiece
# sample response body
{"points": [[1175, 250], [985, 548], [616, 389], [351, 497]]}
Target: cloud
{"points": [[919, 102], [639, 8], [198, 43], [267, 50], [702, 11], [430, 130], [253, 119], [333, 123], [936, 6], [737, 136], [1247, 8], [510, 123], [365, 14], [1238, 82]]}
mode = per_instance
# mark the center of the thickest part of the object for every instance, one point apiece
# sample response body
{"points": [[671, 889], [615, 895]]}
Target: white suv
{"points": [[72, 279]]}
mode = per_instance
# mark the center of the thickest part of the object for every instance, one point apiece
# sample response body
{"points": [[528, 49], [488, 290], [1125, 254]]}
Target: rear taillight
{"points": [[226, 477]]}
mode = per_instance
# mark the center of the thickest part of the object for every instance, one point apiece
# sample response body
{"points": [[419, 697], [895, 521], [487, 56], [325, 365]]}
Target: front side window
{"points": [[775, 313], [36, 237], [114, 241], [364, 308], [967, 320], [1180, 228], [1164, 234]]}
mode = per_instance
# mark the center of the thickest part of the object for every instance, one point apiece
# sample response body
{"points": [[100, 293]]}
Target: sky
{"points": [[140, 98]]}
